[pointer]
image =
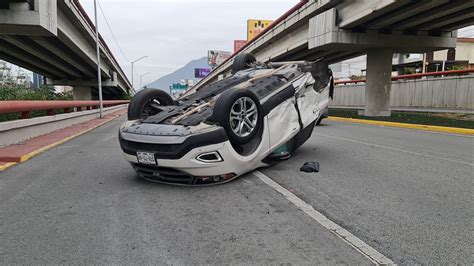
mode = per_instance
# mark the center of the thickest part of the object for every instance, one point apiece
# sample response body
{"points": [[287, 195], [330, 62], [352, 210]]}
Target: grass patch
{"points": [[44, 93], [432, 119]]}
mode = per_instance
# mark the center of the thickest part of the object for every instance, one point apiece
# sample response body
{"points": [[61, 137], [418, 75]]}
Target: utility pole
{"points": [[133, 62], [99, 76], [141, 79], [424, 63]]}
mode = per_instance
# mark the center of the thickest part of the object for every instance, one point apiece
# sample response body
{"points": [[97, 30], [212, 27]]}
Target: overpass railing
{"points": [[446, 91], [412, 76], [51, 107]]}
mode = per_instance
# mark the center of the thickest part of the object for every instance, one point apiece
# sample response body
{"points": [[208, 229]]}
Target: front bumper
{"points": [[173, 176], [177, 161]]}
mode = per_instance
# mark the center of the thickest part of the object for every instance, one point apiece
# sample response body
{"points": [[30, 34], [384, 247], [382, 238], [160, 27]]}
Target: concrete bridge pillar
{"points": [[379, 83], [81, 93]]}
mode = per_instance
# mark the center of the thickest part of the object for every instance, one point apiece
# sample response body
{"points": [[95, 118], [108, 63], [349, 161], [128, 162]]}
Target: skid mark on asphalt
{"points": [[360, 246], [395, 149]]}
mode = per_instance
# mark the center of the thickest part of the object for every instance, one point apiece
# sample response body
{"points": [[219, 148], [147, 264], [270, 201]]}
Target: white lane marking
{"points": [[360, 246], [248, 182], [395, 149]]}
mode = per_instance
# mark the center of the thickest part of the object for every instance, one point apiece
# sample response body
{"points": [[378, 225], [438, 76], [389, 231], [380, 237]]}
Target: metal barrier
{"points": [[450, 92], [411, 76], [25, 107]]}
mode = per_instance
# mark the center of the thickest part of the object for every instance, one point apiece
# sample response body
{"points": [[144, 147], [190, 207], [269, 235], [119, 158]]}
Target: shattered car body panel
{"points": [[230, 127]]}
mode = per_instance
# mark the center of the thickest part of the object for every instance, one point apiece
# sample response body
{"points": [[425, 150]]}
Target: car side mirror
{"points": [[321, 73]]}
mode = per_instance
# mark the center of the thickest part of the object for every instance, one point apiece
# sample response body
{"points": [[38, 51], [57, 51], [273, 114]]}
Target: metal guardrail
{"points": [[411, 76], [26, 107]]}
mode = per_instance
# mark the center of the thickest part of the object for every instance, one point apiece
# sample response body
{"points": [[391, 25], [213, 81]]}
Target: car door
{"points": [[308, 102], [313, 94]]}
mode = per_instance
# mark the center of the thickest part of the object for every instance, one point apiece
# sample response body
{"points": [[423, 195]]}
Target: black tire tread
{"points": [[135, 108], [241, 60]]}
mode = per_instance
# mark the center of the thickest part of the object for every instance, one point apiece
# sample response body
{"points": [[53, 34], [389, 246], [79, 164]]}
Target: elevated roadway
{"points": [[56, 39], [405, 193], [341, 29]]}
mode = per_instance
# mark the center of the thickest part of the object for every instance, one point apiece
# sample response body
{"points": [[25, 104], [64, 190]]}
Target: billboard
{"points": [[215, 58], [177, 89], [255, 26], [201, 72], [239, 44]]}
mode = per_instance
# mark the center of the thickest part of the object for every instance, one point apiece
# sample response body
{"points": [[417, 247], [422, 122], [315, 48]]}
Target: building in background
{"points": [[256, 26], [461, 56], [12, 75], [62, 89], [349, 68], [238, 44], [37, 81]]}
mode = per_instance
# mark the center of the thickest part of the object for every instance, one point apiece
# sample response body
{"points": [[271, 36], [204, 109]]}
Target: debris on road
{"points": [[310, 167]]}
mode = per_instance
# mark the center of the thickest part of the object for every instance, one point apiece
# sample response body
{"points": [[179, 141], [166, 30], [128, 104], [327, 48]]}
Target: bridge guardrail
{"points": [[447, 91], [26, 107], [411, 76]]}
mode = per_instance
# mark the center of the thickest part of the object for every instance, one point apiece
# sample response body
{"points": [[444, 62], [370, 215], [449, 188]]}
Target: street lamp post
{"points": [[141, 79], [99, 76], [133, 62]]}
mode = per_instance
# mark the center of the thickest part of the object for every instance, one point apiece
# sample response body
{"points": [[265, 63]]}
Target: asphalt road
{"points": [[407, 194]]}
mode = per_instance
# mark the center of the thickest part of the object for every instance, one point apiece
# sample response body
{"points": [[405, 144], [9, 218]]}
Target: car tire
{"points": [[139, 107], [243, 61], [239, 112], [302, 136]]}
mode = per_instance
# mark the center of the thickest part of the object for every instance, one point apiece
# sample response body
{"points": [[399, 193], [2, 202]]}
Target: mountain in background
{"points": [[186, 72]]}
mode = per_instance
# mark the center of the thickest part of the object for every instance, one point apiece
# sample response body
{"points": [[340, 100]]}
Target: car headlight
{"points": [[210, 157]]}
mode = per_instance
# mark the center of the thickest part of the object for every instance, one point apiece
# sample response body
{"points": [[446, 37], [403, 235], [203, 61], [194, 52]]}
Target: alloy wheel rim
{"points": [[243, 116]]}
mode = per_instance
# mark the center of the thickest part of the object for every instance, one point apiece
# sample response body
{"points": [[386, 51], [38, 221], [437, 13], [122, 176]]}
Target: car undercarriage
{"points": [[229, 127]]}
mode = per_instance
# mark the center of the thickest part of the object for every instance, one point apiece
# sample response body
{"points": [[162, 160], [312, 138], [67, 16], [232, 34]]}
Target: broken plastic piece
{"points": [[310, 167]]}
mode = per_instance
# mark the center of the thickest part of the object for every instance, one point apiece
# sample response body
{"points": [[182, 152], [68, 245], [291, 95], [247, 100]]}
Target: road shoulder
{"points": [[452, 130]]}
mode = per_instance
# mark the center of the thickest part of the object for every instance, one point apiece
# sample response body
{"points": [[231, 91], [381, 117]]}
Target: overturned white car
{"points": [[254, 118]]}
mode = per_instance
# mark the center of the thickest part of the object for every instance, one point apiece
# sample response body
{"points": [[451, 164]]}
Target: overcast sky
{"points": [[174, 32]]}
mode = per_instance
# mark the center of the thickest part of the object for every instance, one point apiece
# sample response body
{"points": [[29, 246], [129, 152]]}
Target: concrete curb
{"points": [[30, 155], [4, 166], [453, 130]]}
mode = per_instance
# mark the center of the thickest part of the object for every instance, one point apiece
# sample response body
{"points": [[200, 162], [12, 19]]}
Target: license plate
{"points": [[146, 158]]}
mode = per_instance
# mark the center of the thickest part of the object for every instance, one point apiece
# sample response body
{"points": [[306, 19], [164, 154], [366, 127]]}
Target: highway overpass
{"points": [[342, 29], [56, 39]]}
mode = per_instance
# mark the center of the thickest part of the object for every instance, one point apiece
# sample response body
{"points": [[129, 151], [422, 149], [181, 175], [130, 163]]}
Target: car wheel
{"points": [[146, 103], [239, 112], [243, 61]]}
